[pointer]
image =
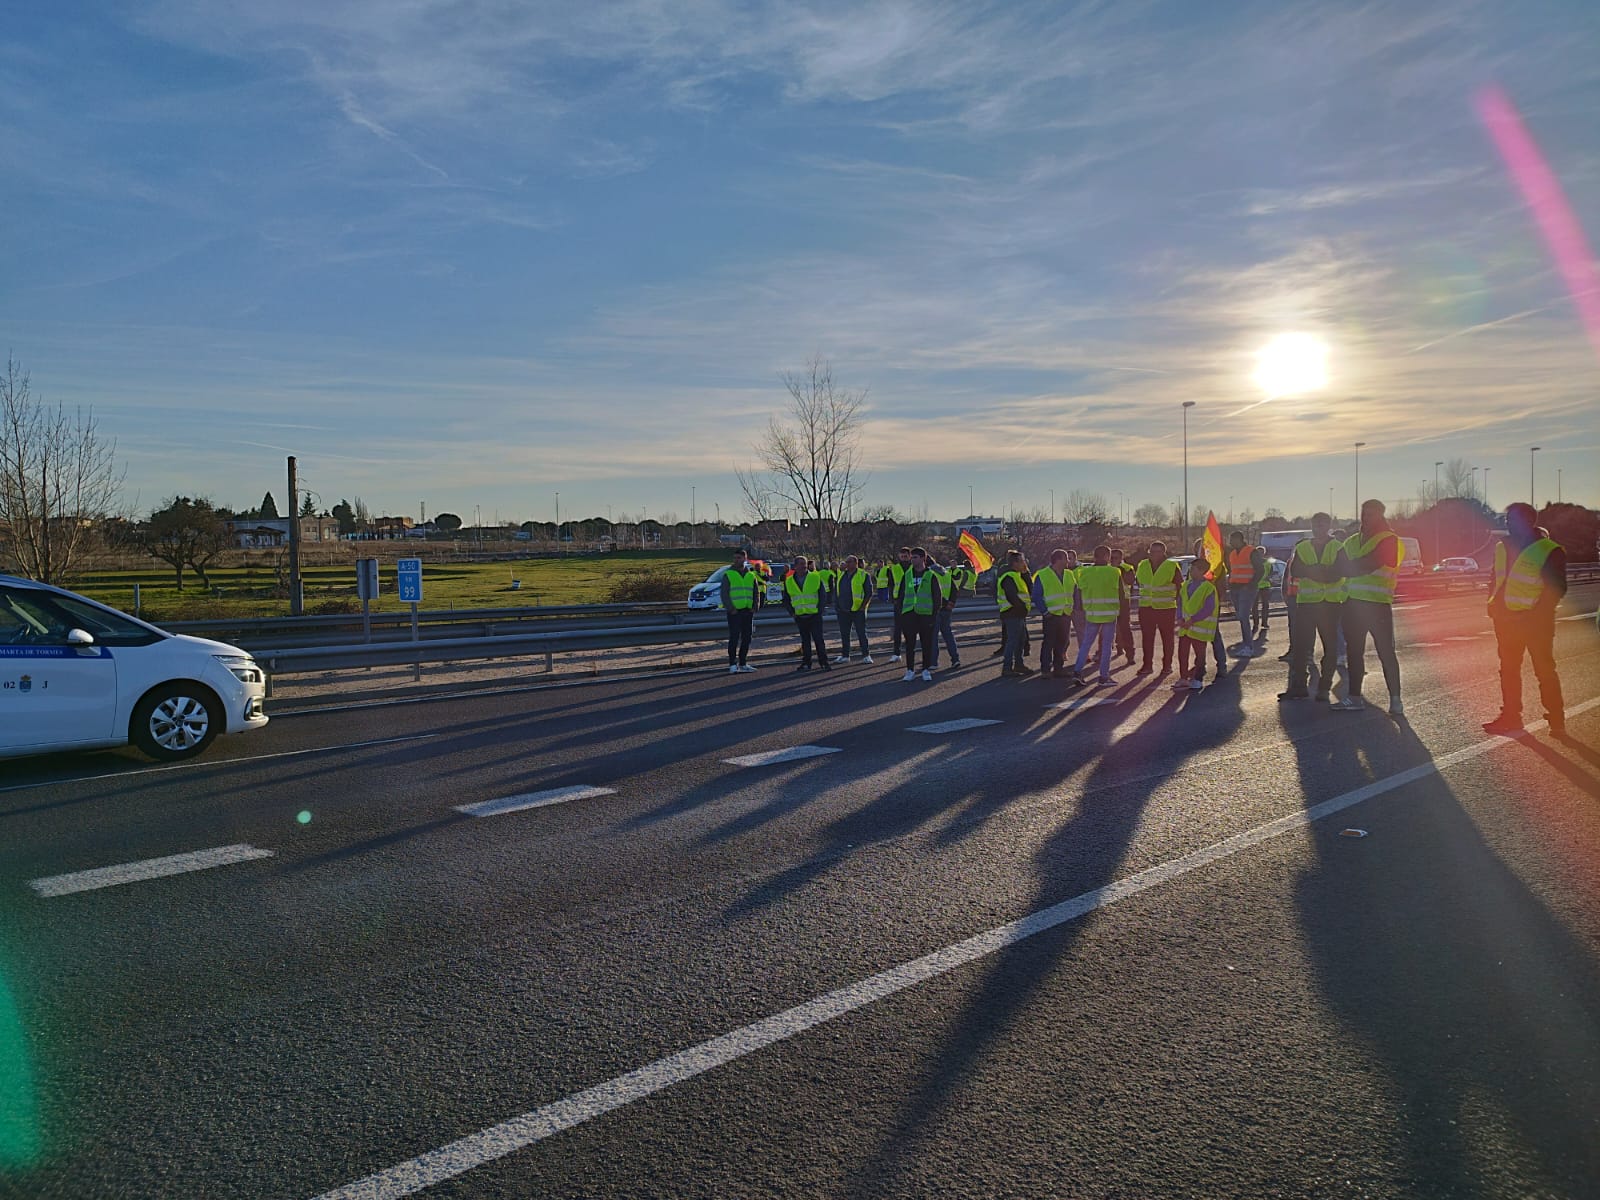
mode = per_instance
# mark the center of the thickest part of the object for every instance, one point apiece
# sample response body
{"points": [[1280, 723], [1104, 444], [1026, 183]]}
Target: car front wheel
{"points": [[176, 721]]}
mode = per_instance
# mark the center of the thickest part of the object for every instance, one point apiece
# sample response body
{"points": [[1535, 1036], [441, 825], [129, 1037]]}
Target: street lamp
{"points": [[1532, 450], [1558, 485], [1330, 504], [558, 518], [1437, 552], [1052, 506], [1358, 479], [1187, 405], [1486, 488]]}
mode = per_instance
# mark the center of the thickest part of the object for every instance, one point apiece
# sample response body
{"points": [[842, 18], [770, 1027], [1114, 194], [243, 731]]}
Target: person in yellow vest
{"points": [[1100, 585], [852, 595], [1219, 580], [1529, 580], [1055, 590], [1124, 606], [1199, 606], [1370, 565], [1263, 608], [804, 596], [1158, 580], [1319, 603], [918, 605], [889, 577], [951, 580], [1241, 564], [740, 588], [1011, 593]]}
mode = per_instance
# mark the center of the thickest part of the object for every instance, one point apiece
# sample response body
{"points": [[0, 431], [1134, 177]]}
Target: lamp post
{"points": [[1486, 487], [1532, 450], [1358, 478], [1330, 504], [1052, 506], [1558, 485], [971, 511], [1437, 552], [1187, 405], [558, 518]]}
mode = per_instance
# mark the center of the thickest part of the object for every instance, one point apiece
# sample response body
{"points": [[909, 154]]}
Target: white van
{"points": [[77, 675]]}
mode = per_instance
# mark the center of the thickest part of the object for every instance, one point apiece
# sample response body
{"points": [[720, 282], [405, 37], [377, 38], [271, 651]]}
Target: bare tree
{"points": [[58, 478], [811, 462], [1151, 516], [1033, 533], [184, 533], [1083, 507], [1459, 479]]}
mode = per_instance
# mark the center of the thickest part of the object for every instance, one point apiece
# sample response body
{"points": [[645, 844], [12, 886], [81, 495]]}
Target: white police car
{"points": [[77, 675]]}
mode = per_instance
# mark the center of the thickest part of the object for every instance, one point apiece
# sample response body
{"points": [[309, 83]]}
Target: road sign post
{"points": [[409, 573], [366, 590]]}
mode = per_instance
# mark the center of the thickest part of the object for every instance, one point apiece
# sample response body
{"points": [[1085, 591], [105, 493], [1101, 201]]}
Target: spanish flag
{"points": [[980, 558], [1213, 546]]}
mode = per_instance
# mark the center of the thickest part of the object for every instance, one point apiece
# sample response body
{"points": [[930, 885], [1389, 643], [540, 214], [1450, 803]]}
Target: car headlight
{"points": [[241, 666]]}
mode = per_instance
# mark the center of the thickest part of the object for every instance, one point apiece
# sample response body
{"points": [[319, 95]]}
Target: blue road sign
{"points": [[410, 578]]}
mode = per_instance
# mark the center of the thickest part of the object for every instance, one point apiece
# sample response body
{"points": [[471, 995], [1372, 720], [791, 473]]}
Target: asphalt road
{"points": [[1123, 949]]}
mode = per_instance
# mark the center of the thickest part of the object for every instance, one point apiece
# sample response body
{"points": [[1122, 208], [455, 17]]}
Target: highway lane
{"points": [[433, 973]]}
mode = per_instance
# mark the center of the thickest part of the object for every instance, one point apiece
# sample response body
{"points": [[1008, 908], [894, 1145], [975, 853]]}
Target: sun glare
{"points": [[1292, 364]]}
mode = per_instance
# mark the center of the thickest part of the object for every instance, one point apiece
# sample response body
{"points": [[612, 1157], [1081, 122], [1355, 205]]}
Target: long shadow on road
{"points": [[1480, 1006], [1085, 852]]}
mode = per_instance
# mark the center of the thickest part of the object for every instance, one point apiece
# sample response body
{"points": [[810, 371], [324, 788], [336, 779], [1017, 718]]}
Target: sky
{"points": [[470, 254]]}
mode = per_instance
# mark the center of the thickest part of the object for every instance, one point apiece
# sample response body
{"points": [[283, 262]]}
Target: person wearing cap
{"points": [[1529, 580]]}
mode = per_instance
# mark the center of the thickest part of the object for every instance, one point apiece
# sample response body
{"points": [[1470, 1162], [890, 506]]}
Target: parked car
{"points": [[1458, 566], [1278, 567], [78, 675], [709, 594]]}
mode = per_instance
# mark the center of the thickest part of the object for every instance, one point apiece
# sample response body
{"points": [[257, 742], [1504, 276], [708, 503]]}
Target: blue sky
{"points": [[476, 252]]}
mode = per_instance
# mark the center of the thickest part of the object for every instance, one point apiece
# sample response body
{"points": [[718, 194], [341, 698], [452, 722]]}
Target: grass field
{"points": [[249, 591]]}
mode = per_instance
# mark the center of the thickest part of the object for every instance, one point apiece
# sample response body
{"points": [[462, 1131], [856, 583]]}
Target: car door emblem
{"points": [[26, 683]]}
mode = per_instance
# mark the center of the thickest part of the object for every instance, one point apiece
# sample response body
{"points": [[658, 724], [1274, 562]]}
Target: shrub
{"points": [[647, 586]]}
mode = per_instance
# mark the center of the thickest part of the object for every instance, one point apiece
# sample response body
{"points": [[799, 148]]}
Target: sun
{"points": [[1292, 364]]}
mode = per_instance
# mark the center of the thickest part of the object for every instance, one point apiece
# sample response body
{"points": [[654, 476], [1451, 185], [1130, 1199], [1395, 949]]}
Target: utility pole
{"points": [[297, 600], [1187, 405], [1438, 551]]}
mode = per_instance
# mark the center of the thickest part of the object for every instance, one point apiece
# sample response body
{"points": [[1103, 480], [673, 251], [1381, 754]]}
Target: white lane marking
{"points": [[497, 1141], [767, 757], [1460, 638], [507, 804], [955, 726], [1083, 702], [1425, 645], [149, 868], [1578, 617], [217, 762]]}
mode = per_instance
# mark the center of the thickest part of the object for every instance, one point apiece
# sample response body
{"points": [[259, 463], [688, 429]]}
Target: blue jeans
{"points": [[1244, 603], [943, 630], [1013, 627], [1105, 634]]}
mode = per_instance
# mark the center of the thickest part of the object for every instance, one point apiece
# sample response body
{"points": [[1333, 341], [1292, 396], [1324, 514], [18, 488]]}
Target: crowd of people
{"points": [[1339, 591]]}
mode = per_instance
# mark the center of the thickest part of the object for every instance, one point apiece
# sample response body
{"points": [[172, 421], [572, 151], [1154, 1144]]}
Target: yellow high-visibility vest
{"points": [[1057, 589], [1158, 586], [1314, 591], [1524, 583], [742, 587], [1377, 586], [1194, 600], [1101, 589], [1024, 601], [919, 592], [805, 597], [860, 591]]}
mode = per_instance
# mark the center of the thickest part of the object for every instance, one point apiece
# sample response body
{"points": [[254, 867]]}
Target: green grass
{"points": [[246, 592]]}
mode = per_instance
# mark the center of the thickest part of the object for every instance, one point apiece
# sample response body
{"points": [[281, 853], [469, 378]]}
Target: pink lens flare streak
{"points": [[1542, 193]]}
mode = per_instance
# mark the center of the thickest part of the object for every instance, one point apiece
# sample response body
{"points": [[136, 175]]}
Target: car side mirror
{"points": [[80, 637]]}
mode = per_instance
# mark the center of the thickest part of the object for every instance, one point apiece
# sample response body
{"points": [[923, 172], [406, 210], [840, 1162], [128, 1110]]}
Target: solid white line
{"points": [[1460, 638], [497, 1141], [149, 868], [1424, 645], [955, 726], [218, 762], [507, 804], [767, 757], [1578, 617]]}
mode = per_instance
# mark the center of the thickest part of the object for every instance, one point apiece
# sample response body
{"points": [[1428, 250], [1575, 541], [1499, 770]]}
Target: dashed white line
{"points": [[149, 868], [768, 757], [497, 1141], [1083, 702], [955, 726], [544, 799]]}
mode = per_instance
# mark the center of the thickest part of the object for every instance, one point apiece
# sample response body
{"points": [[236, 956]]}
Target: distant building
{"points": [[982, 526], [391, 527]]}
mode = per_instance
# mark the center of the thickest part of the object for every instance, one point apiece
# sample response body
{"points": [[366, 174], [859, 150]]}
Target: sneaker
{"points": [[803, 667], [1503, 724], [1182, 685], [894, 658], [1105, 681], [1195, 685], [927, 676], [955, 664], [826, 665], [908, 677], [1144, 670], [733, 668], [1245, 652], [1024, 671], [866, 660], [1294, 694], [1348, 704], [1396, 707], [1284, 657], [745, 668]]}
